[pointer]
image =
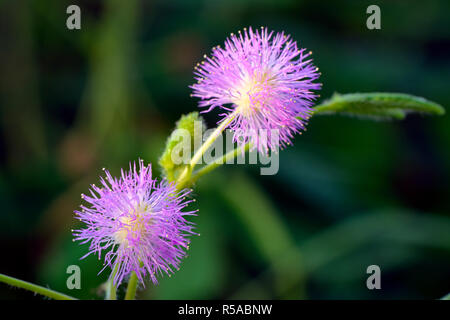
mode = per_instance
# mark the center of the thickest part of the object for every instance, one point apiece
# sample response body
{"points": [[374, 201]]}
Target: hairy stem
{"points": [[34, 288]]}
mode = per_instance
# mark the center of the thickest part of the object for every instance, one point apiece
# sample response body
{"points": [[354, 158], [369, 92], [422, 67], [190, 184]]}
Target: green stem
{"points": [[186, 175], [35, 288], [199, 153], [227, 157], [111, 289], [132, 287]]}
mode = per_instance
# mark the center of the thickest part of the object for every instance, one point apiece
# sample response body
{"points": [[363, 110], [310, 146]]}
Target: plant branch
{"points": [[184, 178], [34, 288], [227, 157], [111, 289], [132, 287]]}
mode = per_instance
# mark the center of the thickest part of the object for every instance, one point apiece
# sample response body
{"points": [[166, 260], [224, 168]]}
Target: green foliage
{"points": [[194, 124], [378, 105]]}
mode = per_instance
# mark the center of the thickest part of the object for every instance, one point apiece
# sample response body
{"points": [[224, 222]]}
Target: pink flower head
{"points": [[138, 222], [263, 82]]}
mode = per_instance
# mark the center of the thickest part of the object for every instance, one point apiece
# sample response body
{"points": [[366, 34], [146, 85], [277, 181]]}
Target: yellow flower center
{"points": [[252, 94], [131, 227]]}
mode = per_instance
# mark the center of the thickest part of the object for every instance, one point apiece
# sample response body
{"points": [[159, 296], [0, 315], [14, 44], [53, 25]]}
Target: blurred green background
{"points": [[350, 193]]}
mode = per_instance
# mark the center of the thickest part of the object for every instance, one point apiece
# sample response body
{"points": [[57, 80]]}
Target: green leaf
{"points": [[378, 105], [194, 125]]}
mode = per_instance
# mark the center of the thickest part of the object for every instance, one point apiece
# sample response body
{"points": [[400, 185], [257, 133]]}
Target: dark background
{"points": [[350, 193]]}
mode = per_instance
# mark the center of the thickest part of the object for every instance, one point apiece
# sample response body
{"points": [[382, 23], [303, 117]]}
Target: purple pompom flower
{"points": [[264, 83], [138, 222]]}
